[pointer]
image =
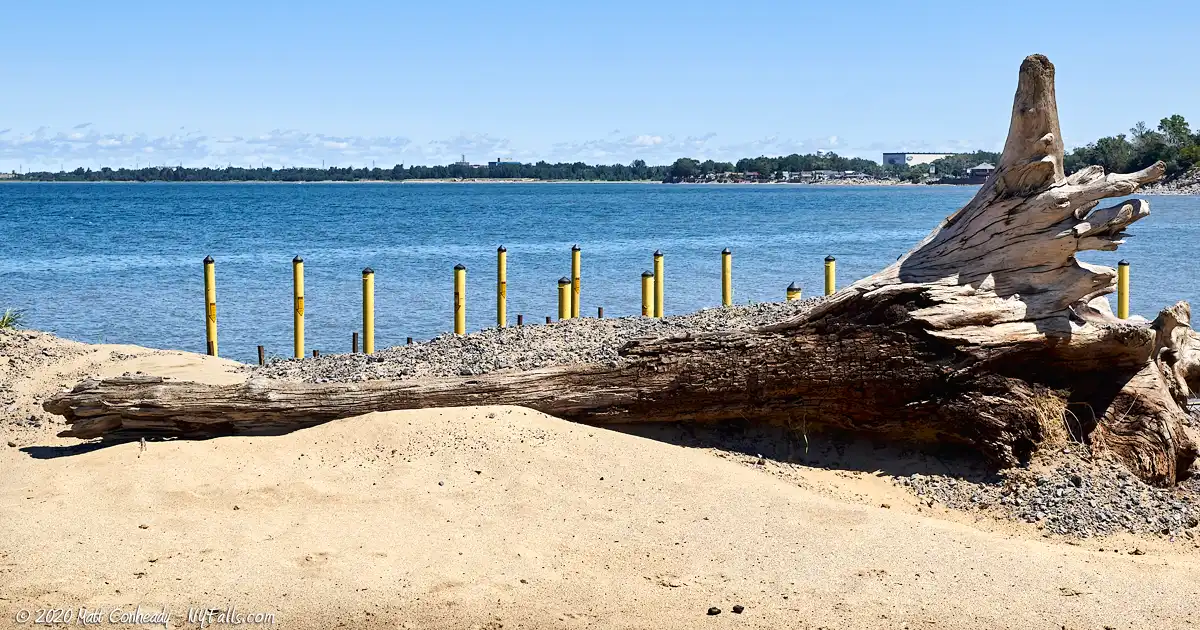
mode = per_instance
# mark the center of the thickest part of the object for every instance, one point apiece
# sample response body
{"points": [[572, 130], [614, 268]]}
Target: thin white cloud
{"points": [[85, 146]]}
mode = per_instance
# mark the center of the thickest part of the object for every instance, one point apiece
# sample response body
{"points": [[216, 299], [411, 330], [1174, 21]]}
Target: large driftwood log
{"points": [[984, 334]]}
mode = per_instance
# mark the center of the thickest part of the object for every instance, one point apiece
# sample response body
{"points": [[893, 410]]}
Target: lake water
{"points": [[121, 263]]}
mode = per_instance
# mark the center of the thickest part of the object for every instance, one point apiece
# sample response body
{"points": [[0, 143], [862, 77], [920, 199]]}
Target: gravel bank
{"points": [[1186, 184], [524, 348], [1072, 496], [1064, 491], [24, 354]]}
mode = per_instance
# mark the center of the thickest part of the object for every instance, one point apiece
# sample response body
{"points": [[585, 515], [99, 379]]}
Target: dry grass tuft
{"points": [[1059, 426]]}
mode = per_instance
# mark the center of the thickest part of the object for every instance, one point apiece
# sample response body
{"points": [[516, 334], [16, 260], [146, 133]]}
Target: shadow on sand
{"points": [[830, 451], [825, 450], [54, 452]]}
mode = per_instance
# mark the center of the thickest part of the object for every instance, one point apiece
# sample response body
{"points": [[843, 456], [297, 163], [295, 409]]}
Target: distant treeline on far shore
{"points": [[761, 169], [638, 170], [1172, 142]]}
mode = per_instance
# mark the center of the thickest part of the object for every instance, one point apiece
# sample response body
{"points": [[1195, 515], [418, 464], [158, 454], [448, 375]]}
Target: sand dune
{"points": [[497, 517]]}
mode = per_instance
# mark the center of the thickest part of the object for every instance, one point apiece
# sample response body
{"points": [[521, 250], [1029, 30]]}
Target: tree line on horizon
{"points": [[1172, 141], [638, 170]]}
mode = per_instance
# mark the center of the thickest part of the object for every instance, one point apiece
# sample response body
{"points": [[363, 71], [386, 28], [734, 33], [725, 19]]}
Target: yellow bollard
{"points": [[830, 275], [501, 287], [726, 277], [298, 304], [1123, 289], [647, 294], [210, 305], [368, 310], [564, 298], [658, 284], [793, 292], [460, 299], [575, 280]]}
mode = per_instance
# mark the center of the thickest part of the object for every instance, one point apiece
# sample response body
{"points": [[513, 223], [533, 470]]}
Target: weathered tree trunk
{"points": [[984, 334]]}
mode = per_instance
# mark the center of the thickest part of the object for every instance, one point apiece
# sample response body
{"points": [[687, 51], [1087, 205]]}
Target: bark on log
{"points": [[984, 334]]}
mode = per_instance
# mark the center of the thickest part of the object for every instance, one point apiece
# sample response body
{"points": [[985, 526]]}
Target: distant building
{"points": [[8, 175], [983, 170], [913, 159], [463, 161], [500, 162]]}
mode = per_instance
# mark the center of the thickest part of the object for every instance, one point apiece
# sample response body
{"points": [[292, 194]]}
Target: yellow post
{"points": [[830, 275], [564, 298], [1123, 289], [726, 277], [647, 294], [210, 305], [368, 310], [793, 292], [501, 287], [575, 280], [460, 299], [658, 284], [298, 304]]}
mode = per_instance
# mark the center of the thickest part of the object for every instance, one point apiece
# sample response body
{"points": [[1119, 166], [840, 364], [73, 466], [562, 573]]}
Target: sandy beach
{"points": [[500, 517]]}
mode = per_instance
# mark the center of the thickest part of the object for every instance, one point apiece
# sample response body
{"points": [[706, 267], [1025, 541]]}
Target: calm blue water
{"points": [[121, 263]]}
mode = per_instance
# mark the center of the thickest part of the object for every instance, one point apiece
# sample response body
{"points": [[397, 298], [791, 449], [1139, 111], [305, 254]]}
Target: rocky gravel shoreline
{"points": [[572, 341], [1072, 496], [1186, 184]]}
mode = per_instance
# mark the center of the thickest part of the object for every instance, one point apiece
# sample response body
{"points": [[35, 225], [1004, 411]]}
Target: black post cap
{"points": [[368, 271], [830, 258], [1124, 263], [647, 274], [297, 259], [793, 287], [575, 247], [459, 267], [208, 260], [501, 249], [564, 280], [657, 252], [726, 251]]}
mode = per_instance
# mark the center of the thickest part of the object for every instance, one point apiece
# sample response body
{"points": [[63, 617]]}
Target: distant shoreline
{"points": [[342, 181], [822, 184]]}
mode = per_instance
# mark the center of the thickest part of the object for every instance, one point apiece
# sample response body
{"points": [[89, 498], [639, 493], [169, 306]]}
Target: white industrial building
{"points": [[913, 159]]}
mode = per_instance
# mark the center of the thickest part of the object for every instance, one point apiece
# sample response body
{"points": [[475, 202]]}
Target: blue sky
{"points": [[90, 83]]}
